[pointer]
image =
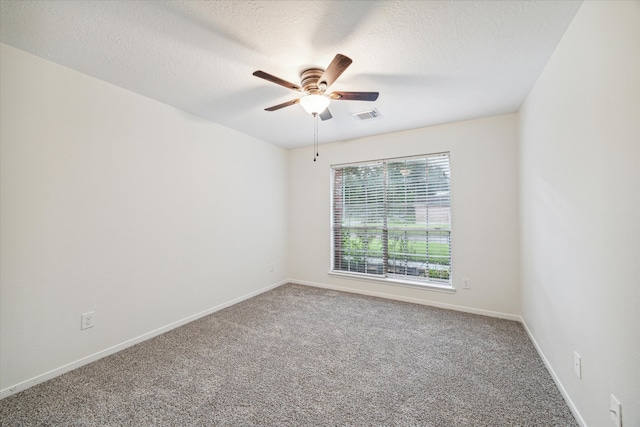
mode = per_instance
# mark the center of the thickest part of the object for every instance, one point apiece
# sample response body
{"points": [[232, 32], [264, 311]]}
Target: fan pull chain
{"points": [[315, 136]]}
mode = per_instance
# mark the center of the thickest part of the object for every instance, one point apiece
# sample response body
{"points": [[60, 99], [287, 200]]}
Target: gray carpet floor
{"points": [[304, 356]]}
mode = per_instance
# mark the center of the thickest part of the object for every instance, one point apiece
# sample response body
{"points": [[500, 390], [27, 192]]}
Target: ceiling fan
{"points": [[314, 82]]}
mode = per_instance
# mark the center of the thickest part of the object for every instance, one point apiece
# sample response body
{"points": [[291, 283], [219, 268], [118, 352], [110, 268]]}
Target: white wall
{"points": [[580, 205], [484, 210], [120, 204]]}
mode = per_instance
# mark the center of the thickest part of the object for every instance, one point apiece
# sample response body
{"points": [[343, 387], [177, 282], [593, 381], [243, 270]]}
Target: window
{"points": [[392, 219]]}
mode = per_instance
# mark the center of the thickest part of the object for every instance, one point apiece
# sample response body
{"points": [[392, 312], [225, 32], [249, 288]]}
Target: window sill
{"points": [[395, 282]]}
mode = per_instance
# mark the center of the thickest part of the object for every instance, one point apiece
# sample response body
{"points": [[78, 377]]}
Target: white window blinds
{"points": [[392, 218]]}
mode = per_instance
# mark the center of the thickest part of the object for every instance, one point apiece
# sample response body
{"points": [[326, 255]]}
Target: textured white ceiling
{"points": [[432, 61]]}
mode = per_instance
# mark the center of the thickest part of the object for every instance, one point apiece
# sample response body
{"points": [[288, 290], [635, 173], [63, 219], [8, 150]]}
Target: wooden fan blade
{"points": [[284, 104], [333, 71], [325, 115], [277, 80], [354, 96]]}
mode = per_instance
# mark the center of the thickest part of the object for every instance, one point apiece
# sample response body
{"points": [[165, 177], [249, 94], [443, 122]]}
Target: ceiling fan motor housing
{"points": [[309, 79]]}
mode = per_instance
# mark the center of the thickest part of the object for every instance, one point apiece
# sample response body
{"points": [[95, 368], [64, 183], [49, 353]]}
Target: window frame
{"points": [[405, 280]]}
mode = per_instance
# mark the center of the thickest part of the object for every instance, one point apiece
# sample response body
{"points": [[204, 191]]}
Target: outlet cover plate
{"points": [[577, 365], [88, 320]]}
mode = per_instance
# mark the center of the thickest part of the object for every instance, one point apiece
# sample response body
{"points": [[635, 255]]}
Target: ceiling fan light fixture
{"points": [[314, 104]]}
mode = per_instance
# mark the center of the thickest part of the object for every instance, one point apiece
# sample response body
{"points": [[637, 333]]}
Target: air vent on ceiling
{"points": [[367, 114]]}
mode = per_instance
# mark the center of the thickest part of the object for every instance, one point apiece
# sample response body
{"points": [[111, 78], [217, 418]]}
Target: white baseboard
{"points": [[471, 310], [556, 380], [114, 349]]}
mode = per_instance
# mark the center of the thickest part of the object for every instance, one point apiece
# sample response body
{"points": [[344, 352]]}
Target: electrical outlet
{"points": [[272, 267], [577, 365], [466, 283], [88, 320], [615, 411]]}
